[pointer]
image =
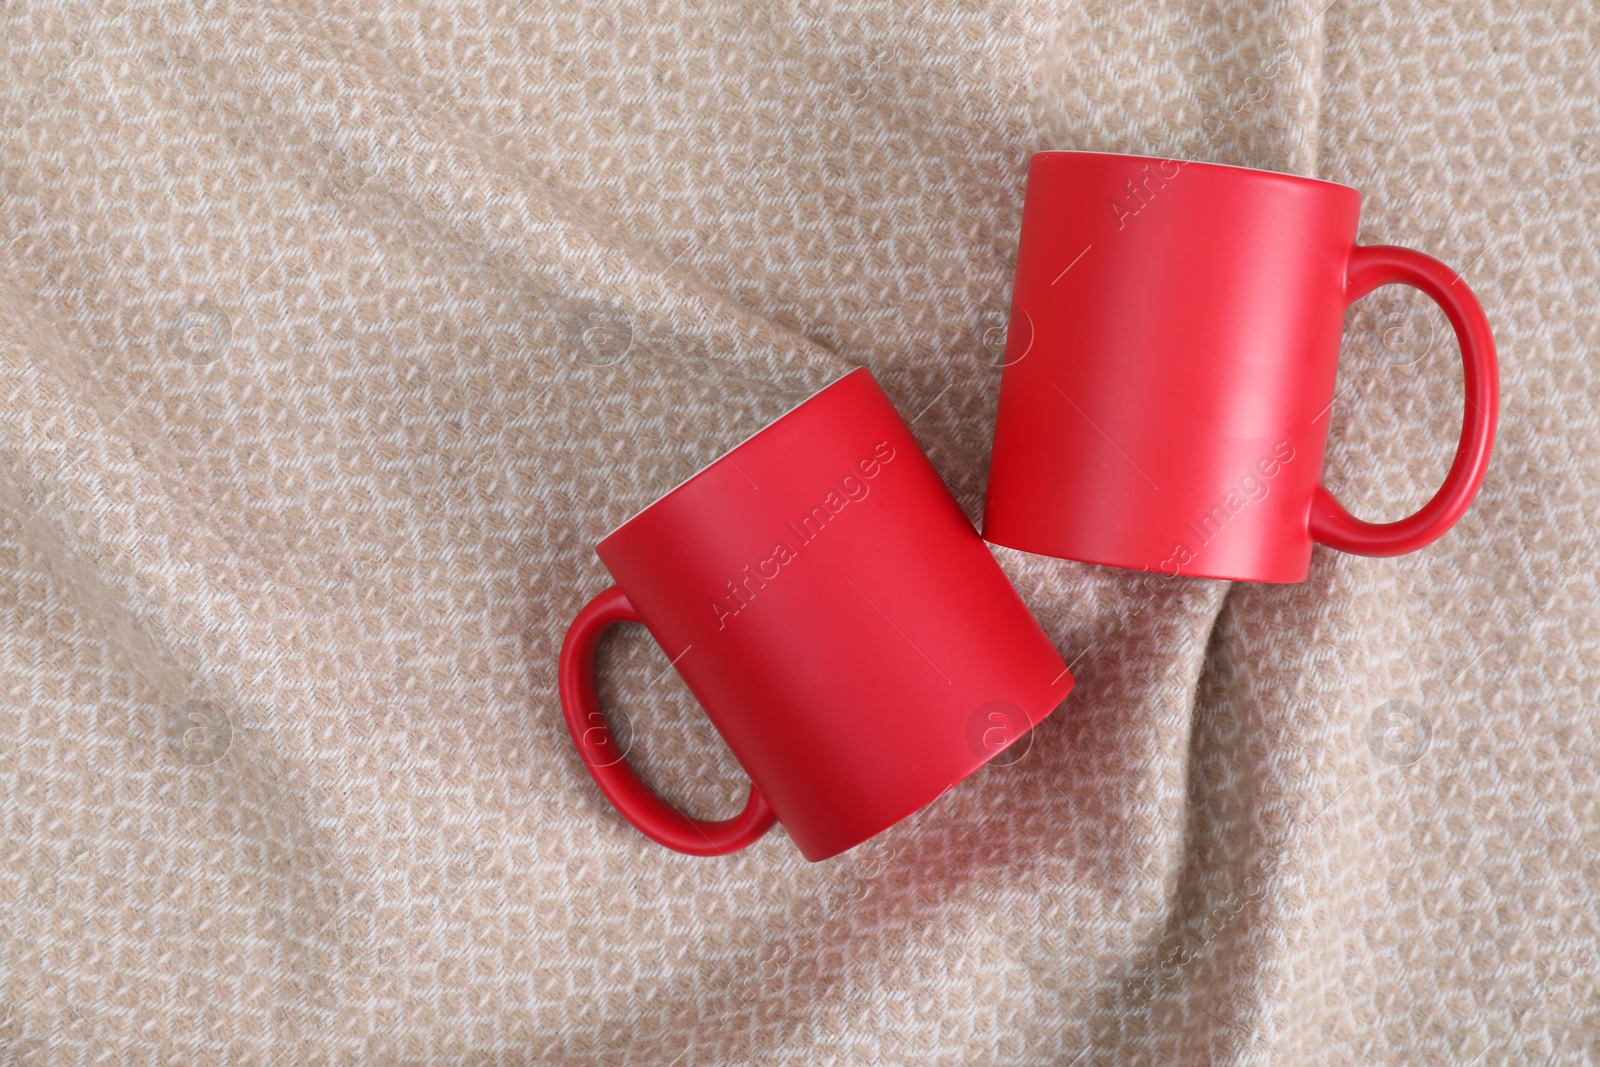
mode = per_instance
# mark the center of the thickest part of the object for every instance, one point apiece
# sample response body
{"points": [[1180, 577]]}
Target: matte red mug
{"points": [[1170, 363], [839, 620]]}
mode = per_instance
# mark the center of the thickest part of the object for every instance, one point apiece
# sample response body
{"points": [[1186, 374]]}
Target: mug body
{"points": [[838, 618], [1170, 363]]}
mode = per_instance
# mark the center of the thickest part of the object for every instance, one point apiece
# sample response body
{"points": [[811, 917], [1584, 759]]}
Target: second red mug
{"points": [[1169, 370], [833, 610]]}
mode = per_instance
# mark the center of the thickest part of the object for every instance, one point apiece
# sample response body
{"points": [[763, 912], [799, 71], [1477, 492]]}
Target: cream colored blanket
{"points": [[334, 336]]}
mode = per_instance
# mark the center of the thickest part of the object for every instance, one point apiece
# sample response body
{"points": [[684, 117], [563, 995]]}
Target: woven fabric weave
{"points": [[333, 336]]}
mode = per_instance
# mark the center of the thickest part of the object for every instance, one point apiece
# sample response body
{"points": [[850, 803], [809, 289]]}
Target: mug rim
{"points": [[1198, 163], [703, 470]]}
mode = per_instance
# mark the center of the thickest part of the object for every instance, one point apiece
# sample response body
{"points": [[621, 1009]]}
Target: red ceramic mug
{"points": [[1170, 363], [838, 618]]}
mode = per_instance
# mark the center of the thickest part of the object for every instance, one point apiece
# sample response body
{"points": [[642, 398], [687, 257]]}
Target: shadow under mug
{"points": [[1169, 370], [831, 607]]}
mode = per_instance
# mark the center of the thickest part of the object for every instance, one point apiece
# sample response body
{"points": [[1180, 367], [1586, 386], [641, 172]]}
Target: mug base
{"points": [[1195, 569], [1036, 711]]}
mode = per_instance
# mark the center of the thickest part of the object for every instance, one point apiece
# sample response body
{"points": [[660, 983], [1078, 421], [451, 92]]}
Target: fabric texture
{"points": [[334, 336]]}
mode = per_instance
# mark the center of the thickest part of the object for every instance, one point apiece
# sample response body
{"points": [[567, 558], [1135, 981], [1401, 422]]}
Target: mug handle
{"points": [[653, 817], [1330, 524]]}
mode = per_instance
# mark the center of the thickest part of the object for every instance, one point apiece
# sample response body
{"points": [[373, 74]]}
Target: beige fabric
{"points": [[333, 340]]}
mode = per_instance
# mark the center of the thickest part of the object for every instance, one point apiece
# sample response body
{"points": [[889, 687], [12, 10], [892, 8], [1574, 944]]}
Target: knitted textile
{"points": [[333, 336]]}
